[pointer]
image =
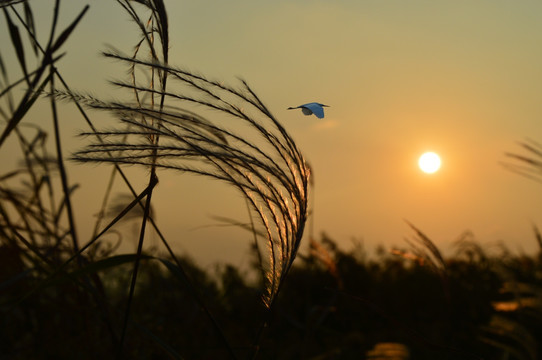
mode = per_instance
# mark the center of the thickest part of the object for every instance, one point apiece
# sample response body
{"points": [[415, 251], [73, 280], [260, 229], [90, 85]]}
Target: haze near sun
{"points": [[429, 162]]}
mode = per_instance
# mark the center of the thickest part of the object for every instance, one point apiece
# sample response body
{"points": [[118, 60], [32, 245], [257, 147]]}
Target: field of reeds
{"points": [[63, 296]]}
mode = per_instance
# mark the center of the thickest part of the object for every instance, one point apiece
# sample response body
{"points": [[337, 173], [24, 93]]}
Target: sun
{"points": [[429, 162]]}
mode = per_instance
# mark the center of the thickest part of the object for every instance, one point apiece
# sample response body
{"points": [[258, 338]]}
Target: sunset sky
{"points": [[459, 78]]}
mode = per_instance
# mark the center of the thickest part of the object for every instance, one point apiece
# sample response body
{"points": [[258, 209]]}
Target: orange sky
{"points": [[461, 78]]}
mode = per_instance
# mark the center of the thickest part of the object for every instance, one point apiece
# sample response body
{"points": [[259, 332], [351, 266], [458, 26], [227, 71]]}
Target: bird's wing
{"points": [[306, 110], [316, 109]]}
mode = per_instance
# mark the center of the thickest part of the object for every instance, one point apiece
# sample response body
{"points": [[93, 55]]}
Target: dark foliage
{"points": [[339, 309]]}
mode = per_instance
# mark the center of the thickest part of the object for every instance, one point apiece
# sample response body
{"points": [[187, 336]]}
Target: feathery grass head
{"points": [[528, 165], [237, 141]]}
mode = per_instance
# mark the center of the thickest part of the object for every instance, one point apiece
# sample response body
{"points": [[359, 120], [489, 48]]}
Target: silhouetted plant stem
{"points": [[152, 183], [62, 169], [107, 194]]}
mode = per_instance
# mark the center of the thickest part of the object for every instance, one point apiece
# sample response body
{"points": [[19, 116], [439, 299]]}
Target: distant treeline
{"points": [[334, 305]]}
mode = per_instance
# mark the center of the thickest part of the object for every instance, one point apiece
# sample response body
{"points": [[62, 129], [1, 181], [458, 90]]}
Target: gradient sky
{"points": [[461, 78]]}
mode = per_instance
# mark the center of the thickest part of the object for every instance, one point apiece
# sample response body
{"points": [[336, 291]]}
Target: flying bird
{"points": [[312, 108]]}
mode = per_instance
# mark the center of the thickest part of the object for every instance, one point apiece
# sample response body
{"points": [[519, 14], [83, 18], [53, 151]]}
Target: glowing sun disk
{"points": [[429, 162]]}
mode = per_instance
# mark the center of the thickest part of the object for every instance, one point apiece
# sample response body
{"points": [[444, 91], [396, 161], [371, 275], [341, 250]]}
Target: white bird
{"points": [[312, 108]]}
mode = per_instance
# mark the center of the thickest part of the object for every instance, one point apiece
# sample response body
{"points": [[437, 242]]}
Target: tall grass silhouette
{"points": [[176, 120], [262, 161]]}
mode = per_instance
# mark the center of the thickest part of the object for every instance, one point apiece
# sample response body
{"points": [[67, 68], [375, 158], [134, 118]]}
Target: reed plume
{"points": [[240, 143], [529, 164]]}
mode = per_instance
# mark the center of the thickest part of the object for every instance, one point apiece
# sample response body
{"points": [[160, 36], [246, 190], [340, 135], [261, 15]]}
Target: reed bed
{"points": [[239, 142]]}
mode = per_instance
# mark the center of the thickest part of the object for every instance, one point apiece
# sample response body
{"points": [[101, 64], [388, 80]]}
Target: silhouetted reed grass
{"points": [[157, 129], [529, 164]]}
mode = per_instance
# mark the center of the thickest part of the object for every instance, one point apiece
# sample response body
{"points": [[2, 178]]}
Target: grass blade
{"points": [[67, 32], [17, 44], [29, 18], [26, 103]]}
